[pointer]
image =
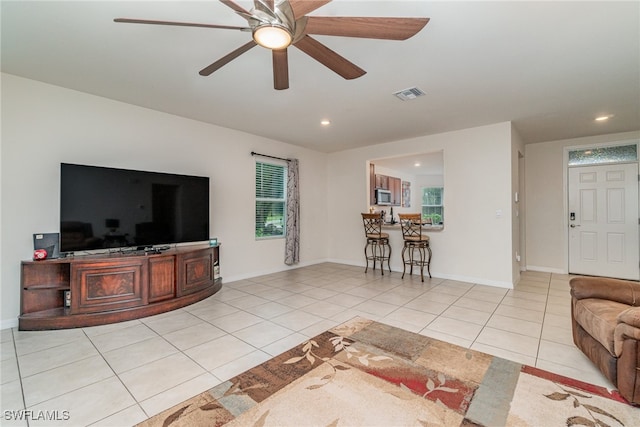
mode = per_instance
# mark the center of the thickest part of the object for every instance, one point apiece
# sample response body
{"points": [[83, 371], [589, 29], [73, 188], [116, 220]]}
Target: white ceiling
{"points": [[548, 66]]}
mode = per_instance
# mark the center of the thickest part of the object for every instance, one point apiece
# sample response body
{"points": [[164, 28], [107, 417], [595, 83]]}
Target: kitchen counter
{"points": [[425, 228]]}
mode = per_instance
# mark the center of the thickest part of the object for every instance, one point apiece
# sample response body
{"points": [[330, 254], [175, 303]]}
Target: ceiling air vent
{"points": [[408, 94]]}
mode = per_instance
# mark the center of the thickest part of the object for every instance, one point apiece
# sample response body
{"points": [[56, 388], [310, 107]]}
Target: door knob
{"points": [[574, 225]]}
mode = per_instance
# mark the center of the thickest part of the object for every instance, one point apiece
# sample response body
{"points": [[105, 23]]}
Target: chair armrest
{"points": [[630, 316], [628, 327], [623, 291]]}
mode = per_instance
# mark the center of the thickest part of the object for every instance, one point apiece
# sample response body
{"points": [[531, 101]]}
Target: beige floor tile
{"points": [[214, 311], [376, 307], [320, 293], [296, 320], [473, 316], [346, 300], [492, 297], [441, 297], [64, 379], [262, 334], [317, 328], [324, 309], [297, 301], [365, 292], [227, 293], [557, 334], [9, 371], [181, 392], [509, 341], [524, 294], [564, 354], [88, 404], [94, 331], [194, 335], [424, 303], [520, 313], [123, 337], [560, 309], [7, 349], [271, 309], [474, 304], [166, 324], [11, 396], [53, 357], [130, 416], [524, 303], [468, 331], [504, 354], [392, 297], [592, 376], [137, 354], [160, 375], [275, 294], [418, 319], [559, 321], [219, 351], [247, 302], [524, 327], [34, 341], [284, 344], [241, 364], [235, 321]]}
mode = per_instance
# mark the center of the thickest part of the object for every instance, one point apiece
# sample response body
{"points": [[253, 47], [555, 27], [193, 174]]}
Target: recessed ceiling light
{"points": [[604, 118], [325, 122], [416, 164]]}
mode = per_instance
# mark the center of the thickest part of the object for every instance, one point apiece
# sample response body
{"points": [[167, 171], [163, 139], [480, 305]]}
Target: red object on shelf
{"points": [[39, 254]]}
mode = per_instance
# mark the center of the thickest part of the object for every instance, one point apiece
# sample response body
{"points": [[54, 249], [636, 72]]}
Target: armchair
{"points": [[605, 320]]}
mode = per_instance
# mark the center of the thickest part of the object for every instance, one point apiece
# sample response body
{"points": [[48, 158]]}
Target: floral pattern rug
{"points": [[365, 373]]}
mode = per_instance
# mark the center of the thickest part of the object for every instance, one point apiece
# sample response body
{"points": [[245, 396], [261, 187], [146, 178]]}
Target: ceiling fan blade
{"points": [[235, 6], [302, 7], [280, 69], [179, 24], [268, 3], [370, 28], [329, 58], [226, 59]]}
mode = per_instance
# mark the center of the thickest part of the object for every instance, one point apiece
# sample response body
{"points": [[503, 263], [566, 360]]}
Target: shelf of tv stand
{"points": [[48, 286], [115, 288]]}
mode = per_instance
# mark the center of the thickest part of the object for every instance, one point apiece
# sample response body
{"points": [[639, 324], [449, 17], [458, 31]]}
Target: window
{"points": [[432, 204], [600, 155], [271, 196]]}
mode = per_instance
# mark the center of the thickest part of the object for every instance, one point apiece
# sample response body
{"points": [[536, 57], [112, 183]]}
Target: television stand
{"points": [[94, 290]]}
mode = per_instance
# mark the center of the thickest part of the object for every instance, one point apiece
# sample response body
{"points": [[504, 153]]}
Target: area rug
{"points": [[365, 373]]}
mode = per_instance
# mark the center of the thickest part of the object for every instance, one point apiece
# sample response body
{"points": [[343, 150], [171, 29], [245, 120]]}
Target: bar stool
{"points": [[377, 242], [414, 240]]}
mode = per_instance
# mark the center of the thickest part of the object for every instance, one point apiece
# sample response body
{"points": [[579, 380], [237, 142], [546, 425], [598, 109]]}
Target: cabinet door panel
{"points": [[195, 271], [162, 278], [103, 286]]}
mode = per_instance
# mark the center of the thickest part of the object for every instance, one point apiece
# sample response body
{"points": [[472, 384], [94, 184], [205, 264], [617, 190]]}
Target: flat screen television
{"points": [[104, 208]]}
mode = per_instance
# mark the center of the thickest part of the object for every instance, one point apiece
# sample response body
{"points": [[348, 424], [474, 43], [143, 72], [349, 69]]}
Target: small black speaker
{"points": [[49, 242]]}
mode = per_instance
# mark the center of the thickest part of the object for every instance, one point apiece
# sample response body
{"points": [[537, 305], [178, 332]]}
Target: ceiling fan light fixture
{"points": [[272, 36]]}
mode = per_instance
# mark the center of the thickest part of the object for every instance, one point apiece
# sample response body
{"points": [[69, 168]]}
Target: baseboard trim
{"points": [[546, 269]]}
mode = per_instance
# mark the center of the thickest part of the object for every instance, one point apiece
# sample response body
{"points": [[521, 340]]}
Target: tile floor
{"points": [[120, 374]]}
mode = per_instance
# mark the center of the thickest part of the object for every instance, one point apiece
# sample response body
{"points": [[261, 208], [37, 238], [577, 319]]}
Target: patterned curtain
{"points": [[292, 243]]}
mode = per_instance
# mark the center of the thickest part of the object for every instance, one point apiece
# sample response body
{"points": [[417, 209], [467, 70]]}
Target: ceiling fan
{"points": [[278, 24]]}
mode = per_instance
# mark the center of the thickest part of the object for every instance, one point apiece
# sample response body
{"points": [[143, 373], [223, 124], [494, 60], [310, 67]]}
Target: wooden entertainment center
{"points": [[114, 287]]}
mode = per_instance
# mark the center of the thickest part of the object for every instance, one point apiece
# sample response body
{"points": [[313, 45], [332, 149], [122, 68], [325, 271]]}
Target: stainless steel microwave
{"points": [[383, 197]]}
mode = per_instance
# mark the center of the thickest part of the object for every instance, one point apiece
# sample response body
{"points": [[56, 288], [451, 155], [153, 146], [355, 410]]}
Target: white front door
{"points": [[603, 221]]}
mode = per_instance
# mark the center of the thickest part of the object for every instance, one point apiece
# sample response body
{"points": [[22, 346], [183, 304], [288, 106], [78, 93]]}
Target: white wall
{"points": [[44, 125], [474, 245], [546, 223]]}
